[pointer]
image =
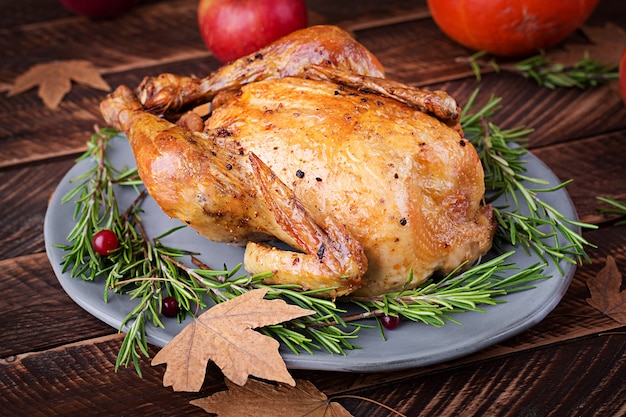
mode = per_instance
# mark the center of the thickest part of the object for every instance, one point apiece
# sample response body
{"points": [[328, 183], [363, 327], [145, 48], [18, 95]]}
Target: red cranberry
{"points": [[390, 322], [105, 242], [170, 307]]}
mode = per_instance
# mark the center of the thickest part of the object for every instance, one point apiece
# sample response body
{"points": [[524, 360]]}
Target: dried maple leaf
{"points": [[224, 335], [259, 399], [605, 292], [55, 80]]}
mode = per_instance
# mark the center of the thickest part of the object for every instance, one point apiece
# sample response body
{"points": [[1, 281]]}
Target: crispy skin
{"points": [[228, 194], [406, 185], [437, 103], [327, 46]]}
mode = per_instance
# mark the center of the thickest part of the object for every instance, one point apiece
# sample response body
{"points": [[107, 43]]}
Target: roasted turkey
{"points": [[366, 180]]}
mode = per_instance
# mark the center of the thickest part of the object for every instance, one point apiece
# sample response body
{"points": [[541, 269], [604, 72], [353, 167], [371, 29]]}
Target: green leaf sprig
{"points": [[525, 220], [582, 74], [146, 270], [95, 206], [615, 207]]}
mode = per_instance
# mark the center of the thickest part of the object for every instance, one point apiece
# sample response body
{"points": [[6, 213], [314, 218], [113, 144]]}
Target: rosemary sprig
{"points": [[433, 301], [582, 74], [525, 220], [95, 206], [146, 270], [616, 207]]}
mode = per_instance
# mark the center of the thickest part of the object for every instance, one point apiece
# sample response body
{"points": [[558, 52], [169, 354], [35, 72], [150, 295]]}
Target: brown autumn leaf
{"points": [[605, 45], [605, 292], [259, 399], [55, 80], [225, 335]]}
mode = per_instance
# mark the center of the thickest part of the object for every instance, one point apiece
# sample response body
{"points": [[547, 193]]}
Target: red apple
{"points": [[234, 28], [622, 75], [98, 9]]}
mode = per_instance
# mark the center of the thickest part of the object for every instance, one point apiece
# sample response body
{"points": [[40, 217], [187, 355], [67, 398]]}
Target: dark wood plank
{"points": [[167, 30], [25, 193], [556, 116], [536, 383], [37, 314], [597, 166], [33, 12], [80, 379], [27, 12], [608, 11]]}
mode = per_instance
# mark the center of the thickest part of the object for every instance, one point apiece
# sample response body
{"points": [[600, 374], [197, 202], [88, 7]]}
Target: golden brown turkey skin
{"points": [[406, 186], [438, 104], [327, 46], [225, 192]]}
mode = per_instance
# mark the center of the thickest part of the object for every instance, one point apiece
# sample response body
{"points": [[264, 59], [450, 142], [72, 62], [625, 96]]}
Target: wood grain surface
{"points": [[57, 360]]}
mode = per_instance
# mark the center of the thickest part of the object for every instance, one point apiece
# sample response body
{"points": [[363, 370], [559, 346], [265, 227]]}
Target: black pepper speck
{"points": [[223, 132], [320, 252]]}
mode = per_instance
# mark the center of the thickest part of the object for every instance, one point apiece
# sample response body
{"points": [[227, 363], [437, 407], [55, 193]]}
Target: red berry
{"points": [[390, 322], [170, 307], [105, 241]]}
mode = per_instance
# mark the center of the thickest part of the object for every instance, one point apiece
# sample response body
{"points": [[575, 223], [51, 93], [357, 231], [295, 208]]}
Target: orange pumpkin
{"points": [[510, 28]]}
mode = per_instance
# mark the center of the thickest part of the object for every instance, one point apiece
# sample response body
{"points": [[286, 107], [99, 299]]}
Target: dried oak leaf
{"points": [[605, 292], [55, 80], [225, 335], [259, 399]]}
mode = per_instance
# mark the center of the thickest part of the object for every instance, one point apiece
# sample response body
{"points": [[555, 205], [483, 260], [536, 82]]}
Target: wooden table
{"points": [[55, 359]]}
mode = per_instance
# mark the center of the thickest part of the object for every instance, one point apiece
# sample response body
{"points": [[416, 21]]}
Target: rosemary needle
{"points": [[526, 221], [616, 207]]}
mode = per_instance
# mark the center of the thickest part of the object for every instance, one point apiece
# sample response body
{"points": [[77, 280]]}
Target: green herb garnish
{"points": [[615, 207], [582, 74]]}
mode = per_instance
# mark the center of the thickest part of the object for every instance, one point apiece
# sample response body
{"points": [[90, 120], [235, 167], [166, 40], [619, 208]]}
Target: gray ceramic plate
{"points": [[410, 345]]}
